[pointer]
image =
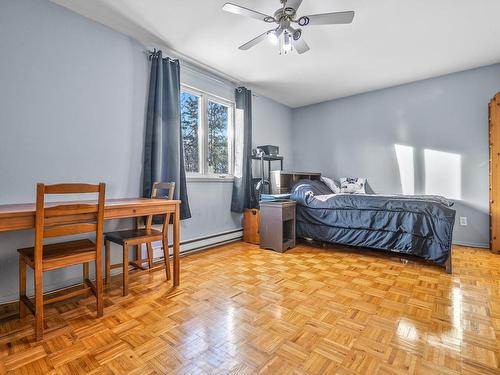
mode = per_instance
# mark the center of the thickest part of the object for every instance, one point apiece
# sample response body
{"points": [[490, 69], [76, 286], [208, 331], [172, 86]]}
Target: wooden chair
{"points": [[60, 220], [137, 237]]}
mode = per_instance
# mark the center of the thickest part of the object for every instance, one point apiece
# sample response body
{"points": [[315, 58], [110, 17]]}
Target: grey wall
{"points": [[72, 100], [271, 125], [72, 97], [355, 136]]}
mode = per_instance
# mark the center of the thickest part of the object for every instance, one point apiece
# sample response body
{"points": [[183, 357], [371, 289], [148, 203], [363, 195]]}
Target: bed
{"points": [[417, 225]]}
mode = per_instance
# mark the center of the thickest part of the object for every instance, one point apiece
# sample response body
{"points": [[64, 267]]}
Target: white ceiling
{"points": [[390, 42]]}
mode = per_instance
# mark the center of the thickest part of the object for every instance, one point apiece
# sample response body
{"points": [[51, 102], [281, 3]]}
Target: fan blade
{"points": [[326, 19], [254, 41], [295, 4], [300, 45], [242, 11]]}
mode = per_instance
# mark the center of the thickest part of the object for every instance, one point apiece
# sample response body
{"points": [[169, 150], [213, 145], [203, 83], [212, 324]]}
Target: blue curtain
{"points": [[243, 192], [164, 150]]}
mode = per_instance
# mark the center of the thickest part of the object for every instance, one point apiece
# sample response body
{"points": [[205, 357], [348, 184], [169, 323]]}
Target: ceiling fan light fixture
{"points": [[284, 35]]}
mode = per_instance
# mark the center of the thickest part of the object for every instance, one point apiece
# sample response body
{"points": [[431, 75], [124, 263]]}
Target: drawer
{"points": [[288, 212]]}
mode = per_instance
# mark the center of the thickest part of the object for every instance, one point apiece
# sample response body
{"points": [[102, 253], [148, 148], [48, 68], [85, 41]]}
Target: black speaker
{"points": [[270, 150]]}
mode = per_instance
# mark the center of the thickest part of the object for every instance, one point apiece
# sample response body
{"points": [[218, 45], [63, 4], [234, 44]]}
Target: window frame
{"points": [[204, 98]]}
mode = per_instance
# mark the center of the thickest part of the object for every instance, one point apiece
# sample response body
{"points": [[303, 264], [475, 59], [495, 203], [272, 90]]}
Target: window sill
{"points": [[206, 178]]}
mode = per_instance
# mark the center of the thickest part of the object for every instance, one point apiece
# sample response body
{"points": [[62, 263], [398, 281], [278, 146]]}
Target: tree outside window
{"points": [[207, 126]]}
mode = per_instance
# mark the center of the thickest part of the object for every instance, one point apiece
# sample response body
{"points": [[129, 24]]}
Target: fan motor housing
{"points": [[286, 14]]}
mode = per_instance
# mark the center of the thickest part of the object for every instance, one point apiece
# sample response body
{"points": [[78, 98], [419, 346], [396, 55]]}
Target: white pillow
{"points": [[331, 184], [352, 185]]}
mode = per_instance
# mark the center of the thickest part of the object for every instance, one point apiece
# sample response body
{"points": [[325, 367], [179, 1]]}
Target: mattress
{"points": [[420, 225]]}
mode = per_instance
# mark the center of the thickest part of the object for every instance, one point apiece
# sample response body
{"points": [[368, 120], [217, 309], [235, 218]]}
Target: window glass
{"points": [[190, 123], [218, 151]]}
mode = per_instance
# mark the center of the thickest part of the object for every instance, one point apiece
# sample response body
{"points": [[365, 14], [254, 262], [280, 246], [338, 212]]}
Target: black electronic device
{"points": [[270, 150]]}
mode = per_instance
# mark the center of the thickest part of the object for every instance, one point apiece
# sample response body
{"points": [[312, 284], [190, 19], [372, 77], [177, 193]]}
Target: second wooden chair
{"points": [[137, 237], [60, 220]]}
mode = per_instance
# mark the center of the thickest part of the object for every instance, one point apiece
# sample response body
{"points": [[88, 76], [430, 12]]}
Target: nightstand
{"points": [[277, 225]]}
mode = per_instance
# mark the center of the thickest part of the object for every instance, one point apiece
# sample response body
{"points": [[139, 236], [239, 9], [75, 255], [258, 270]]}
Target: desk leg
{"points": [[137, 249], [176, 245]]}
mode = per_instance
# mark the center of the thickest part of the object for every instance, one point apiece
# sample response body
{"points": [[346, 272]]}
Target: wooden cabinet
{"points": [[251, 222], [494, 112], [282, 181]]}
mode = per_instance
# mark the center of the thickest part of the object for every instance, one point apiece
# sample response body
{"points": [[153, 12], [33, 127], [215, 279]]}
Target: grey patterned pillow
{"points": [[353, 185], [331, 184]]}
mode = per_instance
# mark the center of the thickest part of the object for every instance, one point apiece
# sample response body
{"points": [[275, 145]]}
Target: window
{"points": [[207, 130], [190, 120]]}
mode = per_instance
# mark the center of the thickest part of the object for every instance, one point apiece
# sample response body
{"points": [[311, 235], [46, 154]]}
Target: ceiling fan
{"points": [[286, 36]]}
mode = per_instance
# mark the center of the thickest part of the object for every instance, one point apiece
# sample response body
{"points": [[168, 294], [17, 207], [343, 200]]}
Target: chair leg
{"points": [[166, 258], [138, 254], [38, 304], [108, 262], [125, 269], [22, 287], [85, 275], [85, 271], [99, 285], [150, 254]]}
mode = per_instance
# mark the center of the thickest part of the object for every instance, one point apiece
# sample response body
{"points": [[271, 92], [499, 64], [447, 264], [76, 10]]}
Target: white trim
{"points": [[470, 244], [201, 243]]}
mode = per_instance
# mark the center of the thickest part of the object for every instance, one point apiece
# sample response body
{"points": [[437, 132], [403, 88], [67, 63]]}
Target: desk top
{"points": [[22, 215], [23, 208]]}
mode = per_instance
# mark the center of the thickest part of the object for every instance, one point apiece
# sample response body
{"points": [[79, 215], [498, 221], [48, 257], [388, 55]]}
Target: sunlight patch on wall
{"points": [[443, 174], [405, 157]]}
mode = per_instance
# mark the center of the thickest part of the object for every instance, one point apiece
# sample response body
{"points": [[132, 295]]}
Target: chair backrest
{"points": [[64, 219], [158, 187]]}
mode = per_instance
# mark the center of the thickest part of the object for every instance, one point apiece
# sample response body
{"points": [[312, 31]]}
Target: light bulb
{"points": [[287, 45], [273, 38]]}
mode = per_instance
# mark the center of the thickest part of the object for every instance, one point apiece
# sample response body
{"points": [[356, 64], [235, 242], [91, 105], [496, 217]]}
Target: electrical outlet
{"points": [[463, 221]]}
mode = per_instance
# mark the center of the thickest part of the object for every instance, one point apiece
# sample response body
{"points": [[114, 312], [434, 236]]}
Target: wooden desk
{"points": [[22, 216]]}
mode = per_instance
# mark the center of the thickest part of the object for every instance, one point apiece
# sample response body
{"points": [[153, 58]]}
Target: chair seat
{"points": [[61, 254], [132, 236]]}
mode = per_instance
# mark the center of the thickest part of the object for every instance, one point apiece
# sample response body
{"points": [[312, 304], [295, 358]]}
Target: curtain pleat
{"points": [[243, 193], [164, 149]]}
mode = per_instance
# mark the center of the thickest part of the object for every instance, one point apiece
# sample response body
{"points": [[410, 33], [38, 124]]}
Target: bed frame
{"points": [[447, 265]]}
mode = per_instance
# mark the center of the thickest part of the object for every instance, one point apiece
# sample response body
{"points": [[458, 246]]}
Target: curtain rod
{"points": [[197, 67], [195, 63]]}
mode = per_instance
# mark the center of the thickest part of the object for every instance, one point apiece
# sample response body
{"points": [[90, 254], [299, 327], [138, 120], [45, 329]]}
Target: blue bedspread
{"points": [[417, 225]]}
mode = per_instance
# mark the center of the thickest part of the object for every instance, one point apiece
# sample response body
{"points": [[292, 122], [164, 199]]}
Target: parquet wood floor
{"points": [[243, 310]]}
